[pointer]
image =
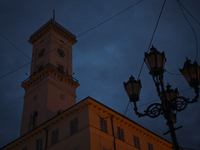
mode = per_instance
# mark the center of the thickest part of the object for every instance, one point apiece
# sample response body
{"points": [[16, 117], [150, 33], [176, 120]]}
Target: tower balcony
{"points": [[49, 69]]}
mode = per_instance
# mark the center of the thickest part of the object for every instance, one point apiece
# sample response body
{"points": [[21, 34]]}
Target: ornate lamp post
{"points": [[171, 102]]}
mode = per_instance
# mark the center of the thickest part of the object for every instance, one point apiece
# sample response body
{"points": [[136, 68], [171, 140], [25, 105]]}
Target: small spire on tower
{"points": [[53, 15]]}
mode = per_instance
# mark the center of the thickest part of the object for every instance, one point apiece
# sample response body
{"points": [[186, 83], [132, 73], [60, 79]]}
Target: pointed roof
{"points": [[52, 25]]}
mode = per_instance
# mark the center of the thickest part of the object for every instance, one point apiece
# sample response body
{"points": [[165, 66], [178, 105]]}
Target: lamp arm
{"points": [[136, 111], [182, 102], [153, 111], [179, 103]]}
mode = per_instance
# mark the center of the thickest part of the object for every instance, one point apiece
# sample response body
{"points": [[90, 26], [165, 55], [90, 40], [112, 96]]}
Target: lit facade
{"points": [[89, 125], [51, 118]]}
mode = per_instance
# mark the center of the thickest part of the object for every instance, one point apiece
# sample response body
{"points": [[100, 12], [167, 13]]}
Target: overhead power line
{"points": [[152, 36], [15, 46], [109, 18], [14, 70], [66, 42], [181, 7]]}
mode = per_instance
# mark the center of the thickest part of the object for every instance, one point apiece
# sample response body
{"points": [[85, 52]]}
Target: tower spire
{"points": [[53, 15]]}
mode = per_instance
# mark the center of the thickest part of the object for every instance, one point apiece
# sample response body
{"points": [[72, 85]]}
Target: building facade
{"points": [[52, 120], [89, 125]]}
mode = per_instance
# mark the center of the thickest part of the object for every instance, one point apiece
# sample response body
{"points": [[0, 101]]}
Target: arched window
{"points": [[33, 121], [35, 116], [30, 123]]}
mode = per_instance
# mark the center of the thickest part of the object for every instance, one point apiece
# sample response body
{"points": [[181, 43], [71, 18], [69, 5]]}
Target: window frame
{"points": [[150, 146], [33, 121], [54, 136], [120, 133], [74, 126], [39, 144], [103, 125], [25, 148], [105, 148], [136, 141], [60, 68]]}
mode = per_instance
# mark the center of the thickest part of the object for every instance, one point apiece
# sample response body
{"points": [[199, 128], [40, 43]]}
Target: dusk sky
{"points": [[105, 56]]}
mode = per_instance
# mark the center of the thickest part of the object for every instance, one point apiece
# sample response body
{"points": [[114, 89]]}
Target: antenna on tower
{"points": [[53, 15]]}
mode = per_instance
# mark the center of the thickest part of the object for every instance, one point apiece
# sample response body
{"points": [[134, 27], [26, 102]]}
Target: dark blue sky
{"points": [[103, 58]]}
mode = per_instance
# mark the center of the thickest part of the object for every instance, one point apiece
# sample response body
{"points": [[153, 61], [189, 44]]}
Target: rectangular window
{"points": [[39, 144], [54, 136], [74, 126], [120, 133], [150, 146], [60, 68], [103, 125], [25, 148], [75, 148], [40, 68], [104, 148], [136, 142]]}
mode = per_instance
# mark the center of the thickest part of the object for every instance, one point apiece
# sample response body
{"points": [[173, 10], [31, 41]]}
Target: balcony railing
{"points": [[54, 67]]}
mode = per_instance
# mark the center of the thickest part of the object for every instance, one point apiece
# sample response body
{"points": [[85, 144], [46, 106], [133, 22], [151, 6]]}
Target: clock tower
{"points": [[50, 89]]}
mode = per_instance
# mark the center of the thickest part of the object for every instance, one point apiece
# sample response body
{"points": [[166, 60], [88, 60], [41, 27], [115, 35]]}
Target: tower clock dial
{"points": [[41, 53], [60, 52]]}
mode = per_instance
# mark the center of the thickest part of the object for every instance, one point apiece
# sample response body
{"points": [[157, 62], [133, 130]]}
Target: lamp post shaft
{"points": [[173, 135]]}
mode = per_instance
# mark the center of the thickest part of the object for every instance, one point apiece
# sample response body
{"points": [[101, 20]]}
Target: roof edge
{"points": [[53, 22]]}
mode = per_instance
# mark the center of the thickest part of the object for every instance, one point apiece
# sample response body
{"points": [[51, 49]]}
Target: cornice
{"points": [[49, 71], [52, 25], [45, 126], [127, 122]]}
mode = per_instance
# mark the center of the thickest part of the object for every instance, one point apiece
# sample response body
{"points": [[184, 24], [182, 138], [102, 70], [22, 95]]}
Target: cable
{"points": [[191, 28], [15, 46], [122, 119], [14, 70], [77, 36], [152, 36], [109, 18], [172, 73], [29, 62], [188, 12]]}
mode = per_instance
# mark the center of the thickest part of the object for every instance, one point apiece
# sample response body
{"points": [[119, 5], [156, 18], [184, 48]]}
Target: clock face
{"points": [[41, 53], [60, 53]]}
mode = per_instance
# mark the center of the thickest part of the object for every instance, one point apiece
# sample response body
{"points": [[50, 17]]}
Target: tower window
{"points": [[33, 121], [40, 68], [60, 68], [62, 96], [74, 126], [120, 133], [103, 125], [54, 136], [25, 148], [35, 97], [75, 148], [39, 144]]}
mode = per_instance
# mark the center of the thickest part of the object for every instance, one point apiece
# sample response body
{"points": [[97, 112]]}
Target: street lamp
{"points": [[171, 102]]}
